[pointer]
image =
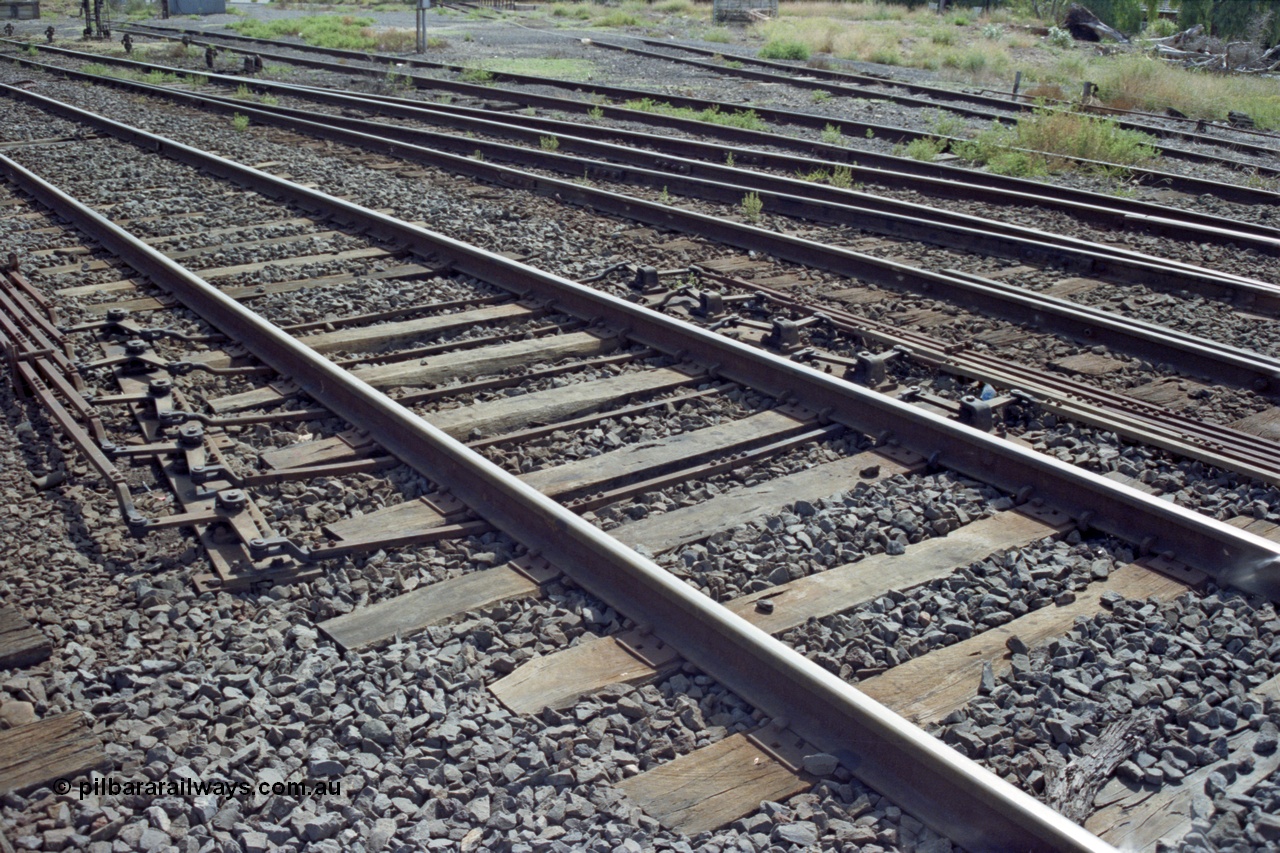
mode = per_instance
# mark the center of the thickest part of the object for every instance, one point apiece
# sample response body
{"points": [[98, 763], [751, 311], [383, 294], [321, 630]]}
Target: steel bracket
{"points": [[783, 745], [981, 414], [647, 648], [784, 335], [870, 368], [536, 568], [710, 304], [1166, 565], [646, 281]]}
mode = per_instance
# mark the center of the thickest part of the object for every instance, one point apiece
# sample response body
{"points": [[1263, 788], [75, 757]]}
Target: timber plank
{"points": [[669, 530], [237, 269], [712, 786], [1265, 423], [408, 518], [732, 264], [243, 292], [500, 416], [20, 643], [494, 359], [365, 338], [929, 687], [227, 230], [108, 287], [63, 746], [77, 266], [1166, 392], [182, 254], [252, 290], [452, 365], [653, 457], [847, 586], [558, 680], [1072, 287], [428, 605], [1088, 364]]}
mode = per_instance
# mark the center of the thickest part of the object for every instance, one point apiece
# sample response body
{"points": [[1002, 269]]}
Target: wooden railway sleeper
{"points": [[116, 322], [83, 441]]}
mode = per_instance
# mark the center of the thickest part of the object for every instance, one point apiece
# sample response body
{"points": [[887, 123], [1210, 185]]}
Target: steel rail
{"points": [[1233, 556], [850, 78], [1134, 419], [813, 82], [810, 120], [788, 196], [948, 792], [1195, 355], [906, 100], [947, 181]]}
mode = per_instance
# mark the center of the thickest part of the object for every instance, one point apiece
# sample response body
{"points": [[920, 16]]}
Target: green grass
{"points": [[1137, 82], [674, 7], [785, 49], [925, 149], [344, 32], [477, 75], [751, 207], [155, 78], [842, 177], [746, 119], [240, 122], [1049, 140], [617, 19], [561, 69], [577, 11], [943, 36]]}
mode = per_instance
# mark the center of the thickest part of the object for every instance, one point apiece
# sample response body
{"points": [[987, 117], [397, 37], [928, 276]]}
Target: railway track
{"points": [[267, 49], [760, 460], [898, 134], [1194, 354]]}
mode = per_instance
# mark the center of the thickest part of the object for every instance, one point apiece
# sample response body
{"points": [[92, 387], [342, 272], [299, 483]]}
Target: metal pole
{"points": [[421, 24]]}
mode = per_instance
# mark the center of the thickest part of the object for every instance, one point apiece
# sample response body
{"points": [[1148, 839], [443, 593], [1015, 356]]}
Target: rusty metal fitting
{"points": [[191, 435], [232, 500]]}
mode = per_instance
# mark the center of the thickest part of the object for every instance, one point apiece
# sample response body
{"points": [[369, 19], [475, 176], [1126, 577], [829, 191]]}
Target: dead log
{"points": [[1192, 34], [1070, 786], [1085, 26]]}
